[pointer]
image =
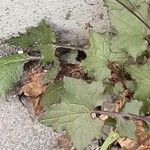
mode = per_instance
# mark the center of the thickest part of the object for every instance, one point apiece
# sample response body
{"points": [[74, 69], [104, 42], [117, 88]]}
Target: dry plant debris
{"points": [[33, 87], [64, 142]]}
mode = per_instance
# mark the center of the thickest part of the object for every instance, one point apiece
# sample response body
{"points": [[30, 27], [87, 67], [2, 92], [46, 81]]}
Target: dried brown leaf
{"points": [[64, 142], [33, 88], [126, 143], [143, 138], [71, 70], [120, 102]]}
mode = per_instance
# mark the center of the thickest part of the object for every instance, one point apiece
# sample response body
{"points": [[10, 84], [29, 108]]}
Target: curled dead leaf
{"points": [[33, 88]]}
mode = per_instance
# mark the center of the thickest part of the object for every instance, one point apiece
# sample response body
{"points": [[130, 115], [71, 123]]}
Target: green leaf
{"points": [[74, 112], [98, 56], [144, 9], [109, 88], [11, 69], [50, 75], [53, 94], [142, 76], [134, 5], [146, 107], [118, 57], [80, 92], [126, 128], [119, 88], [40, 38], [139, 7], [42, 34], [70, 57], [112, 137], [48, 53], [22, 41], [129, 107], [76, 120], [131, 32], [147, 126]]}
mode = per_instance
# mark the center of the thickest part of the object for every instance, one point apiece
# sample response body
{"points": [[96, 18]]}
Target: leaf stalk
{"points": [[124, 115], [71, 47], [35, 58]]}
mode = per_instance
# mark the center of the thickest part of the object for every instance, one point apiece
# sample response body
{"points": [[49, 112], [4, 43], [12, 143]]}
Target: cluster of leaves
{"points": [[117, 64], [40, 38]]}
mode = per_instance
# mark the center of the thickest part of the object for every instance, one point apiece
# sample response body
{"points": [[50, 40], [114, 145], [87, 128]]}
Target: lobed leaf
{"points": [[98, 56], [131, 32], [40, 38], [80, 92], [42, 34], [74, 112], [76, 119], [133, 107], [126, 128]]}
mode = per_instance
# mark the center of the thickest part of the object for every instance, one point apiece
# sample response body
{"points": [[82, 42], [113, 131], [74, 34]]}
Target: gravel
{"points": [[19, 132], [5, 49], [68, 17]]}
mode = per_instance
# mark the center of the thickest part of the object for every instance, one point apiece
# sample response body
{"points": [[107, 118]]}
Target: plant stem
{"points": [[71, 47], [35, 58], [135, 9], [147, 25], [124, 115], [113, 136]]}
